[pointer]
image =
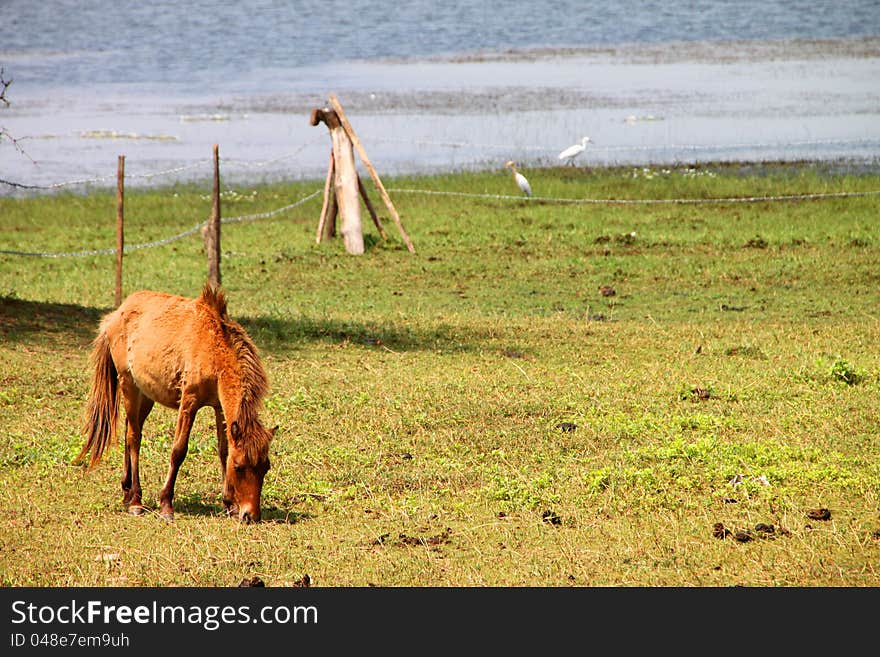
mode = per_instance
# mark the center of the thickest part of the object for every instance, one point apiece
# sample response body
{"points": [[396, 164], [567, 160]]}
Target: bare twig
{"points": [[4, 85], [4, 133]]}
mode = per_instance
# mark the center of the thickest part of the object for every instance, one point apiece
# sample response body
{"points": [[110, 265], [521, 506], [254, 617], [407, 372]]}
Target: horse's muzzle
{"points": [[249, 515], [246, 513]]}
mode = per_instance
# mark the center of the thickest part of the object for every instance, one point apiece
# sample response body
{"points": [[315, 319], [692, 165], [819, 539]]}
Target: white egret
{"points": [[572, 152], [520, 179]]}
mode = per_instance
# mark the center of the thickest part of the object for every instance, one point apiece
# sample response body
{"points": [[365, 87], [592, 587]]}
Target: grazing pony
{"points": [[184, 354]]}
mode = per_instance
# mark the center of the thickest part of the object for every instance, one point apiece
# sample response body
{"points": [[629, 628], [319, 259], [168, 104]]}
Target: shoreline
{"points": [[233, 184], [720, 51], [655, 104]]}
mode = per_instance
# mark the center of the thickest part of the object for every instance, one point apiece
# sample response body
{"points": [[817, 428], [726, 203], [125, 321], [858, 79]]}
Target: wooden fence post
{"points": [[120, 218], [212, 237]]}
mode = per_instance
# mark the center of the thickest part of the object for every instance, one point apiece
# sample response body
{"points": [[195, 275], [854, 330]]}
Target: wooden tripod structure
{"points": [[343, 188]]}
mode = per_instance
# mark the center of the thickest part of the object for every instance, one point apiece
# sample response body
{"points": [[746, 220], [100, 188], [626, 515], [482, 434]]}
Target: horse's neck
{"points": [[242, 385], [230, 392]]}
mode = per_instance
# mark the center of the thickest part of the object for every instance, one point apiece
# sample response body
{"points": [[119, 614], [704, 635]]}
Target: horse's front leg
{"points": [[185, 417], [223, 451]]}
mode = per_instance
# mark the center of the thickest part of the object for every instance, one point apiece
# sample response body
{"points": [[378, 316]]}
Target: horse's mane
{"points": [[254, 382]]}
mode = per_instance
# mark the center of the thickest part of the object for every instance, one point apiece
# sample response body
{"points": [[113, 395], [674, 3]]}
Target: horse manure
{"points": [[303, 582], [742, 535], [819, 514], [720, 531], [431, 541], [251, 581], [701, 393], [442, 537]]}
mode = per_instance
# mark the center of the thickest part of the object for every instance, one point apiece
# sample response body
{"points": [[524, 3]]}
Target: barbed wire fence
{"points": [[200, 226], [642, 201], [167, 240]]}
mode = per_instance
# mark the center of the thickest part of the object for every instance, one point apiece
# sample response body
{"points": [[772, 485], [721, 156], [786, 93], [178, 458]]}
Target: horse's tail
{"points": [[103, 406]]}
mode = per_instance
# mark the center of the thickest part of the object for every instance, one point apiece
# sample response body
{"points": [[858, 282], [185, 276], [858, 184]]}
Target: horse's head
{"points": [[246, 465]]}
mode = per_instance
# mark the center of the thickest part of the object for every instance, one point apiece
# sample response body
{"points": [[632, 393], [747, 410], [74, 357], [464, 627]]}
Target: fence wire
{"points": [[161, 242], [640, 201]]}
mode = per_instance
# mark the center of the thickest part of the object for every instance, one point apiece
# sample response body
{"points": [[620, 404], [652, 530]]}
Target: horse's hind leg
{"points": [[137, 408]]}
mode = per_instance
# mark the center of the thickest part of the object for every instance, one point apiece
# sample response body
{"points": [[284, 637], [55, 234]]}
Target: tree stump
{"points": [[375, 176], [345, 186]]}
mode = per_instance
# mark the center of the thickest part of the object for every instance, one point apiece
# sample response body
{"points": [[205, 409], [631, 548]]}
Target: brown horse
{"points": [[184, 354]]}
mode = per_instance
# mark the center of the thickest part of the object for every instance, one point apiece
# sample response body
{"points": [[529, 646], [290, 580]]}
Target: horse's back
{"points": [[151, 337], [149, 316]]}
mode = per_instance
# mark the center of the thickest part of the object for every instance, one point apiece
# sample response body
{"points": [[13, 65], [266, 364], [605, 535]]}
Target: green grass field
{"points": [[546, 393]]}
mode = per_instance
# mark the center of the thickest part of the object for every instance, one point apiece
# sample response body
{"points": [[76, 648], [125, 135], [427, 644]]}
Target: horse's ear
{"points": [[235, 431]]}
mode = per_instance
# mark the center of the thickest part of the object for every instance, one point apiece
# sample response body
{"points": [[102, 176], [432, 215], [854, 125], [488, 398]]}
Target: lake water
{"points": [[430, 86]]}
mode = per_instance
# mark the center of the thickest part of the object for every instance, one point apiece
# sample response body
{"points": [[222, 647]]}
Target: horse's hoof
{"points": [[167, 516], [136, 510]]}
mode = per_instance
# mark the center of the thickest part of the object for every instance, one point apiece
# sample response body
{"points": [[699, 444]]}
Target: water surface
{"points": [[461, 85]]}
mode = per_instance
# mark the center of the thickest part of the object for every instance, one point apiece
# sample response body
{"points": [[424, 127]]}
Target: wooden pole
{"points": [[366, 160], [213, 235], [332, 213], [371, 209], [329, 200], [120, 220]]}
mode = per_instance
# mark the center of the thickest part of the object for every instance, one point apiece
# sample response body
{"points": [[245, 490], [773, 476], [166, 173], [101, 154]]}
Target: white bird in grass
{"points": [[520, 179], [573, 151]]}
